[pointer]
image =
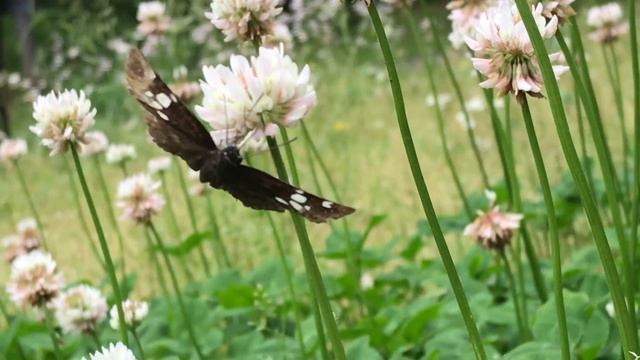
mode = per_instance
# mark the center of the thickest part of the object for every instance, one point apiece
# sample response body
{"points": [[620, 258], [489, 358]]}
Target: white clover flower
{"points": [[159, 165], [475, 104], [12, 149], [443, 100], [366, 281], [608, 22], [134, 312], [62, 118], [493, 229], [120, 153], [464, 15], [243, 19], [559, 8], [80, 309], [117, 351], [280, 34], [152, 19], [34, 279], [96, 142], [250, 144], [185, 89], [24, 241], [138, 198], [504, 54], [256, 95]]}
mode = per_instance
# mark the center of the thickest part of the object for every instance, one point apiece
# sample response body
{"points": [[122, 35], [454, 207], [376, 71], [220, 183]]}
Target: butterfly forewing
{"points": [[171, 124], [265, 192]]}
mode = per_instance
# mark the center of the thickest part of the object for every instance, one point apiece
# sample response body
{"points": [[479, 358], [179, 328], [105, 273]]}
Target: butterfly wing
{"points": [[171, 124], [259, 190]]}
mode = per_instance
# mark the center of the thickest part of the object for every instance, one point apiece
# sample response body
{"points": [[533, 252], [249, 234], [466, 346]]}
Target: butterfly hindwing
{"points": [[259, 190], [171, 124]]}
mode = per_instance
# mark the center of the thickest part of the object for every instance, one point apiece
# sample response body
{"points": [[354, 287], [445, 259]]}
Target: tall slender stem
{"points": [[522, 326], [192, 216], [31, 203], [215, 229], [176, 289], [111, 215], [156, 264], [571, 156], [421, 186], [136, 338], [463, 106], [106, 253], [313, 271], [554, 237], [52, 332], [168, 199]]}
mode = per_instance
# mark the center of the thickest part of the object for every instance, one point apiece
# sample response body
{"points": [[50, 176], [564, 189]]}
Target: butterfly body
{"points": [[175, 129]]}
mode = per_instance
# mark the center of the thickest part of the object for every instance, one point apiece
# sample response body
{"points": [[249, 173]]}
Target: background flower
{"points": [[96, 142], [134, 312], [243, 19], [12, 149], [80, 309], [608, 22], [138, 198], [119, 153], [115, 351], [62, 118], [34, 279], [152, 19], [159, 165]]}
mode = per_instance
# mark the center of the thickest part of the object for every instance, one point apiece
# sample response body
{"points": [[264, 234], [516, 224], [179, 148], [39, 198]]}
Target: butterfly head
{"points": [[231, 154]]}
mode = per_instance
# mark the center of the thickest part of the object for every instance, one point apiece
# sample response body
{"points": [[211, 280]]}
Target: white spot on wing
{"points": [[164, 100], [299, 198], [281, 201], [307, 207], [173, 98], [154, 104], [327, 204], [163, 115], [148, 94], [296, 206], [299, 191]]}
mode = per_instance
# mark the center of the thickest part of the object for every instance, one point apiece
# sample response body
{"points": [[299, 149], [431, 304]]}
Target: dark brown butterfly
{"points": [[176, 130]]}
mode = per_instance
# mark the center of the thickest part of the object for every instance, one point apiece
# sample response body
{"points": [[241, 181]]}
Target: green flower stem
{"points": [[192, 216], [31, 203], [571, 156], [421, 186], [111, 272], [613, 73], [124, 169], [52, 332], [313, 271], [552, 222], [111, 215], [606, 164], [96, 339], [136, 338], [215, 229], [292, 292], [167, 197], [156, 263], [7, 319], [463, 106], [176, 289], [81, 217], [438, 112], [522, 327], [635, 65]]}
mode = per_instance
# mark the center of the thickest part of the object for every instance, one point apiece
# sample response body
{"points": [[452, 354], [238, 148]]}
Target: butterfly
{"points": [[175, 129]]}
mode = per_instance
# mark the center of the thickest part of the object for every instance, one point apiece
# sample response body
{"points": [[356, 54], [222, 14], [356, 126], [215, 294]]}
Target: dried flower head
{"points": [[159, 165], [185, 89], [117, 351], [608, 22], [80, 309], [96, 142], [256, 95], [134, 312], [561, 9], [243, 19], [138, 198], [152, 19], [120, 153], [12, 149], [493, 229], [62, 118], [504, 53], [34, 279]]}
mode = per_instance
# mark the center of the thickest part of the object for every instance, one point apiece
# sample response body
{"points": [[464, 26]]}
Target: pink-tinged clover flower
{"points": [[138, 198], [608, 23], [504, 54], [464, 15], [120, 153], [185, 89], [34, 280], [152, 19], [117, 351], [159, 165], [134, 312], [256, 95], [493, 229], [62, 119], [561, 9], [96, 143], [80, 309], [244, 19], [12, 149], [24, 241]]}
